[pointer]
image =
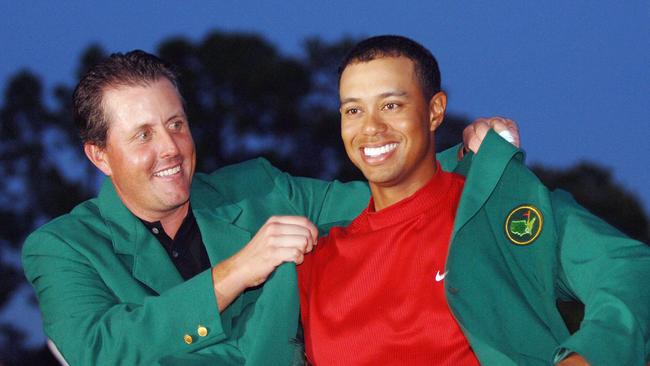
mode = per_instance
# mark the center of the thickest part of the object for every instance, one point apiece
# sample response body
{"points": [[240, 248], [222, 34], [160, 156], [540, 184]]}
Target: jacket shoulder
{"points": [[255, 175], [84, 218], [254, 168]]}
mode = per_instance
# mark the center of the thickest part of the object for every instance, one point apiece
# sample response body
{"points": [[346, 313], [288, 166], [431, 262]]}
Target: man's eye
{"points": [[351, 111], [142, 136], [390, 106], [176, 125]]}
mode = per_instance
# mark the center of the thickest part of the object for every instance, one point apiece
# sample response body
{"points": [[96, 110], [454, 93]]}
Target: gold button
{"points": [[202, 331], [188, 339]]}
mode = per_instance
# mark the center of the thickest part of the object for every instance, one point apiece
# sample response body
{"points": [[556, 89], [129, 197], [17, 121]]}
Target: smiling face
{"points": [[149, 153], [387, 126]]}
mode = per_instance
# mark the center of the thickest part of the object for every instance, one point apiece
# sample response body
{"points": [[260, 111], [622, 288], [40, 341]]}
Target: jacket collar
{"points": [[482, 172], [217, 217], [151, 264]]}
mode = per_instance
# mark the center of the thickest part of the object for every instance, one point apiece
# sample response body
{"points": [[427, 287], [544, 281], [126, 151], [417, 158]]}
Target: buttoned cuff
{"points": [[604, 344], [197, 319]]}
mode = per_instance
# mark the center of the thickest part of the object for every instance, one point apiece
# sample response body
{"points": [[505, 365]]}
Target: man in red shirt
{"points": [[362, 290], [373, 292]]}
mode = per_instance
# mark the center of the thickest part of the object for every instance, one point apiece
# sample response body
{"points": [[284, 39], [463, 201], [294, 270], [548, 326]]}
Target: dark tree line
{"points": [[244, 99]]}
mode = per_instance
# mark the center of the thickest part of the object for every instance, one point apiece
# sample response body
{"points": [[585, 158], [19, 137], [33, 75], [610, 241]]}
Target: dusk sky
{"points": [[574, 74]]}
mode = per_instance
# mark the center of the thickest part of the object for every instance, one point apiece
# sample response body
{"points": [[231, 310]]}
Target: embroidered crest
{"points": [[524, 224]]}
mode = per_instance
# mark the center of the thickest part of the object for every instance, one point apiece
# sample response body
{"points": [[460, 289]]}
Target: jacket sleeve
{"points": [[334, 203], [324, 203], [91, 326], [609, 273], [449, 158]]}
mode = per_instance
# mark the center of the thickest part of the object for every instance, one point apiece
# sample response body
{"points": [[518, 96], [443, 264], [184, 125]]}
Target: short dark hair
{"points": [[135, 68], [426, 66]]}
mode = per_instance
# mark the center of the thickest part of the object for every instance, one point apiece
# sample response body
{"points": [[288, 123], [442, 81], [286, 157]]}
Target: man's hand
{"points": [[474, 134], [281, 239], [573, 360]]}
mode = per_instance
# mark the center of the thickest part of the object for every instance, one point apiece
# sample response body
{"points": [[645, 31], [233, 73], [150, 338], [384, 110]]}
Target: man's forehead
{"points": [[118, 88], [386, 76], [383, 67], [141, 104], [385, 60]]}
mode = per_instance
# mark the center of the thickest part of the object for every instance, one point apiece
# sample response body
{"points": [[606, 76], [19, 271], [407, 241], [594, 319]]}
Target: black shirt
{"points": [[186, 250]]}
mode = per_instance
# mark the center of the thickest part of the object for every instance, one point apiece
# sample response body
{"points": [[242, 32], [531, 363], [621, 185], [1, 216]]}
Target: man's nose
{"points": [[168, 144], [373, 124]]}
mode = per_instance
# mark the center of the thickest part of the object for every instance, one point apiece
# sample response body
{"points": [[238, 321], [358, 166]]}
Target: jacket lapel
{"points": [[216, 217], [487, 167], [151, 264], [221, 237]]}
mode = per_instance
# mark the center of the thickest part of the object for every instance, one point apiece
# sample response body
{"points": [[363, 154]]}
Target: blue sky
{"points": [[574, 74]]}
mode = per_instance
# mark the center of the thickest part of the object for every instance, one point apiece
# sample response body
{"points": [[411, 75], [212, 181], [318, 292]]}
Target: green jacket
{"points": [[504, 294], [110, 295]]}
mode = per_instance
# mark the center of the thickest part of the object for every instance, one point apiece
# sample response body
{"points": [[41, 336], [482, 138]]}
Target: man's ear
{"points": [[437, 106], [97, 156]]}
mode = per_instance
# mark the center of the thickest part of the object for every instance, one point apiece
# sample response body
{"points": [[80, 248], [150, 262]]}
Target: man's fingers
{"points": [[300, 242], [276, 228], [474, 134], [290, 232], [300, 221], [281, 239], [506, 128], [289, 254], [479, 128]]}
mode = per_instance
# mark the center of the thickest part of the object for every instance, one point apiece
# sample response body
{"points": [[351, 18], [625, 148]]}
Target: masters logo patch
{"points": [[524, 224]]}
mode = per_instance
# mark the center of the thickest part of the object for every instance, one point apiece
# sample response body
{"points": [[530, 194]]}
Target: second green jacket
{"points": [[110, 295], [505, 277]]}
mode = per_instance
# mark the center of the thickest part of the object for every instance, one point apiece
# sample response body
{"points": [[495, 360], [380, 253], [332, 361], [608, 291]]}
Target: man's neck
{"points": [[387, 195], [171, 221]]}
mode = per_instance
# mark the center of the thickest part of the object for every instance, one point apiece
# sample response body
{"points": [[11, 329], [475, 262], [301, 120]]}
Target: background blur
{"points": [[260, 79]]}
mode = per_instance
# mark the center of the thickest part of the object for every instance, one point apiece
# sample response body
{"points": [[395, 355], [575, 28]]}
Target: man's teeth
{"points": [[168, 172], [376, 151]]}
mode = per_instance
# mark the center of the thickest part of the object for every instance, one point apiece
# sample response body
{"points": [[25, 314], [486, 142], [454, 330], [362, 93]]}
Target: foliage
{"points": [[593, 187]]}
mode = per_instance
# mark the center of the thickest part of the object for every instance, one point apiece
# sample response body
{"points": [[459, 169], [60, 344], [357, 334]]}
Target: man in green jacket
{"points": [[490, 241], [164, 265]]}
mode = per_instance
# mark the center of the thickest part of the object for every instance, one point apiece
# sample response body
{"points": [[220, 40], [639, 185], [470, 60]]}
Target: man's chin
{"points": [[378, 175], [175, 199], [380, 180]]}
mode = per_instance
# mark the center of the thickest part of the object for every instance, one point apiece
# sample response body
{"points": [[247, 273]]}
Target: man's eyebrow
{"points": [[180, 115], [349, 100], [393, 93], [133, 131], [140, 125]]}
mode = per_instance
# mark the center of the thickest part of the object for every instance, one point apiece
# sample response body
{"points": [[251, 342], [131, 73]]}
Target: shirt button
{"points": [[188, 339], [202, 331], [453, 290], [155, 230], [174, 254]]}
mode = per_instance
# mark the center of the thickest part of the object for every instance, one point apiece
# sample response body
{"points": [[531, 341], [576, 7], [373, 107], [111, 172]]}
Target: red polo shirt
{"points": [[373, 293]]}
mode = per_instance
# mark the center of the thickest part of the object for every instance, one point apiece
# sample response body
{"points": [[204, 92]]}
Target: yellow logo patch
{"points": [[524, 224]]}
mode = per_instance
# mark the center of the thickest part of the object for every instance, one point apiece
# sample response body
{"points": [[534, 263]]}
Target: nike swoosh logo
{"points": [[440, 277]]}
